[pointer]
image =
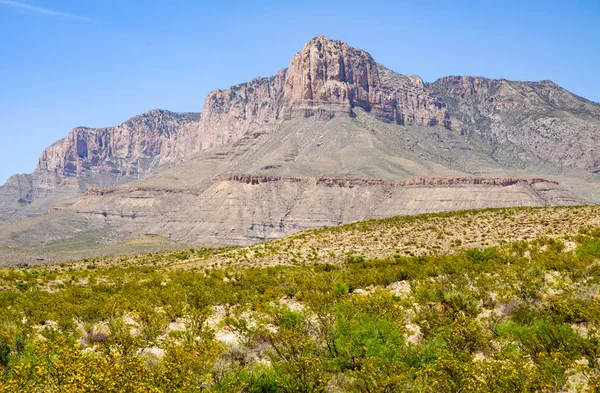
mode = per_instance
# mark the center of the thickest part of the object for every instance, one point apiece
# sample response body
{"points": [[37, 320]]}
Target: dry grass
{"points": [[412, 235], [428, 234]]}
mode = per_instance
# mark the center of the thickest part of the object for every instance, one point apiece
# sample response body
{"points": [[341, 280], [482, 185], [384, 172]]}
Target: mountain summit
{"points": [[326, 78], [329, 77], [335, 122]]}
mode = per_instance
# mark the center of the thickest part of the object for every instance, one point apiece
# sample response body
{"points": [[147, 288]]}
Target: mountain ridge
{"points": [[334, 112], [92, 157]]}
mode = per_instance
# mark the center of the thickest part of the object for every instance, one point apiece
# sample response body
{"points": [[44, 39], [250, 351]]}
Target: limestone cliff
{"points": [[329, 77], [92, 157], [128, 150], [536, 123]]}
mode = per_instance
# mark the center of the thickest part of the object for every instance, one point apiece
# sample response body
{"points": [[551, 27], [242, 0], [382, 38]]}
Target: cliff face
{"points": [[328, 77], [127, 150], [531, 122], [88, 157], [345, 182], [515, 124], [230, 114]]}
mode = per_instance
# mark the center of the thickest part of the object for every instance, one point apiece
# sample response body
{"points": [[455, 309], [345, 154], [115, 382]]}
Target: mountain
{"points": [[526, 122], [325, 79], [331, 139], [93, 157]]}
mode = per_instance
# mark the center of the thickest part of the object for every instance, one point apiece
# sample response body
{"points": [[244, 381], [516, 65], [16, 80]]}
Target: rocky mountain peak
{"points": [[323, 61], [332, 74], [326, 78]]}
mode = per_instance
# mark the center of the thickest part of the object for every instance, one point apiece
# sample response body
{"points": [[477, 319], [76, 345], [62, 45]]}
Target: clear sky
{"points": [[68, 63]]}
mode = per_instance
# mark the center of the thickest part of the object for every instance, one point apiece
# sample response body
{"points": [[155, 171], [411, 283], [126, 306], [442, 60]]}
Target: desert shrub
{"points": [[475, 255], [513, 318], [352, 257], [5, 350], [591, 249]]}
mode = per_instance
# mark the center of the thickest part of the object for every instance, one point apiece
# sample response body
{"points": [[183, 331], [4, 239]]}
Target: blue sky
{"points": [[66, 63]]}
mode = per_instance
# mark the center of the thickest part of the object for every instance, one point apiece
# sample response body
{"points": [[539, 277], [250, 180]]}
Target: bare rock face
{"points": [[530, 122], [525, 123], [93, 157], [328, 78], [330, 73], [346, 182], [230, 114], [127, 150], [533, 122]]}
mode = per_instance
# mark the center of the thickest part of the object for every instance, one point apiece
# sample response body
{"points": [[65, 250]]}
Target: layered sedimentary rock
{"points": [[128, 150], [241, 209], [531, 122], [334, 129], [329, 77], [229, 115], [328, 181], [93, 157]]}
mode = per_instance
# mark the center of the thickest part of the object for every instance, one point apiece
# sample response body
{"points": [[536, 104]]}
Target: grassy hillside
{"points": [[495, 300], [427, 234]]}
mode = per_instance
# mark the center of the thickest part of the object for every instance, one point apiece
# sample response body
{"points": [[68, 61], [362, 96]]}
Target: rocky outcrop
{"points": [[93, 157], [328, 78], [91, 192], [348, 182], [231, 114], [528, 123], [128, 150], [525, 123]]}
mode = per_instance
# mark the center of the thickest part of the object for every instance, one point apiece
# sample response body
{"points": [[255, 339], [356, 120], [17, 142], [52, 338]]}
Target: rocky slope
{"points": [[533, 122], [333, 113], [93, 157], [242, 209]]}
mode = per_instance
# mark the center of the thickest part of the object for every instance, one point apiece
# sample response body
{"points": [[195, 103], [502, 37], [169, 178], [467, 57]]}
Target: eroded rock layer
{"points": [[241, 209], [332, 131]]}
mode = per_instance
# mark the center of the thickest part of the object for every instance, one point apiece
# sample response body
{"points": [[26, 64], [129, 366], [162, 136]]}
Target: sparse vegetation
{"points": [[519, 316]]}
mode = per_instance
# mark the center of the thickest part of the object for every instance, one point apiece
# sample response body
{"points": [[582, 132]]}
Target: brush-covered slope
{"points": [[520, 314], [427, 234]]}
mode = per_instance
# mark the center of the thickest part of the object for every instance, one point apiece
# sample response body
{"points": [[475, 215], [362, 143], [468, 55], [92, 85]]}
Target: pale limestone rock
{"points": [[400, 288]]}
